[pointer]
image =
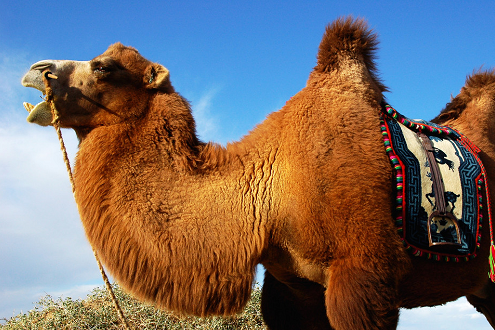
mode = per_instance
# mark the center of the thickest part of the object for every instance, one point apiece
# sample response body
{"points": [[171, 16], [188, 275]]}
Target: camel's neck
{"points": [[476, 122], [168, 233]]}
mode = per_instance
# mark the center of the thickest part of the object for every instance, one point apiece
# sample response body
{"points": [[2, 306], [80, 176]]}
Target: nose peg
{"points": [[48, 75]]}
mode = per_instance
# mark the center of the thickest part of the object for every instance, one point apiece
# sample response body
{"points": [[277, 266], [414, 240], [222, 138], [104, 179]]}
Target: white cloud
{"points": [[43, 244], [206, 123], [457, 315]]}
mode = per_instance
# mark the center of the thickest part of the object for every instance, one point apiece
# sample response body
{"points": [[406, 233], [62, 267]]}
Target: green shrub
{"points": [[97, 312]]}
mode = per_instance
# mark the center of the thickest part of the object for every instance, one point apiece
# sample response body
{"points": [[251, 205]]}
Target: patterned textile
{"points": [[463, 182]]}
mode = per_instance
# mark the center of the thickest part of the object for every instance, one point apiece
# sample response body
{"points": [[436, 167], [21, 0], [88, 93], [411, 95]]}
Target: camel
{"points": [[307, 193]]}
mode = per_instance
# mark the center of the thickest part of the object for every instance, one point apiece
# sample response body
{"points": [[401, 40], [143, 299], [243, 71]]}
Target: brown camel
{"points": [[308, 194]]}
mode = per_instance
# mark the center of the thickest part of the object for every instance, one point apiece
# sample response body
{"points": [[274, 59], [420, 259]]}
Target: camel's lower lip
{"points": [[39, 114]]}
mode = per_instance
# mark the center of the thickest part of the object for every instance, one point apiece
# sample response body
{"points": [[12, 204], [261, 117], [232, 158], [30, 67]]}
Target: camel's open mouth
{"points": [[41, 113]]}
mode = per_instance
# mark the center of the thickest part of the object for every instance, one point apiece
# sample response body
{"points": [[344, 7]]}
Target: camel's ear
{"points": [[158, 77]]}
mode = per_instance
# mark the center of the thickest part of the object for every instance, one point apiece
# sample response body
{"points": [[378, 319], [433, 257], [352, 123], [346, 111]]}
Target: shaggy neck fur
{"points": [[168, 235]]}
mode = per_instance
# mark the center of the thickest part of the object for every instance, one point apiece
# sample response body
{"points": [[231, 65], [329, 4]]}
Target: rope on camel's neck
{"points": [[56, 124]]}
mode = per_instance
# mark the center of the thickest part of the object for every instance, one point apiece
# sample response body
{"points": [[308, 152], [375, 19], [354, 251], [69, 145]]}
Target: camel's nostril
{"points": [[41, 65]]}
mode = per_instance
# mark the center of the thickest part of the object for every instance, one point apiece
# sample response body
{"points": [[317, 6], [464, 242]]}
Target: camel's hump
{"points": [[347, 38]]}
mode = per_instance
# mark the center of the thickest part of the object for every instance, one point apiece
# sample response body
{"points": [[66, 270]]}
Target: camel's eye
{"points": [[101, 69]]}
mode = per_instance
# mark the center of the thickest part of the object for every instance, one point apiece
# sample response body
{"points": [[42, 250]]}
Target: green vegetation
{"points": [[97, 312]]}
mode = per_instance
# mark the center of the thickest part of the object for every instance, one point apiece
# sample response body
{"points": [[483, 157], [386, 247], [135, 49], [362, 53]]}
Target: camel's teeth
{"points": [[28, 106]]}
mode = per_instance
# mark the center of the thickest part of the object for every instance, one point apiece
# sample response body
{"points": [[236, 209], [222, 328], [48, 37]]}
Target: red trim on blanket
{"points": [[482, 183]]}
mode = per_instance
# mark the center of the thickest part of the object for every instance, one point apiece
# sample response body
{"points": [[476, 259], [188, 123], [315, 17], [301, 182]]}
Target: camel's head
{"points": [[111, 88]]}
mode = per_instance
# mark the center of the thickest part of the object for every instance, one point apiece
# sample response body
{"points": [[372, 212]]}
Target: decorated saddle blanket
{"points": [[452, 230]]}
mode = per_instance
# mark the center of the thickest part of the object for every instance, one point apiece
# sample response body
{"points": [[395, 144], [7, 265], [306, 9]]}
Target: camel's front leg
{"points": [[361, 296], [298, 305]]}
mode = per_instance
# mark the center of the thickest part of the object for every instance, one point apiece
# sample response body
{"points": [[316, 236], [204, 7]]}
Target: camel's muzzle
{"points": [[35, 78]]}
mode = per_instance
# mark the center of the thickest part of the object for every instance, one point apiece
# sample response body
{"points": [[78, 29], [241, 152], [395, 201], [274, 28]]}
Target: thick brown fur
{"points": [[308, 193], [347, 39]]}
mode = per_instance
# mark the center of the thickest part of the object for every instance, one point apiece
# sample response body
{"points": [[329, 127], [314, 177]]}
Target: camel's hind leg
{"points": [[298, 306], [360, 298], [484, 302]]}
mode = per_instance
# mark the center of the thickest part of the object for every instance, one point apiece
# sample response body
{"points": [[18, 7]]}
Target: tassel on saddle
{"points": [[440, 203]]}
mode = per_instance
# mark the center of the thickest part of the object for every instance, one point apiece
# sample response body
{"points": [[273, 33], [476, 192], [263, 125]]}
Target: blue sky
{"points": [[236, 62]]}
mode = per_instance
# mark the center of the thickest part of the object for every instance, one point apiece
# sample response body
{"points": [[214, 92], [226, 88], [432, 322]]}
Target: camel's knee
{"points": [[357, 298]]}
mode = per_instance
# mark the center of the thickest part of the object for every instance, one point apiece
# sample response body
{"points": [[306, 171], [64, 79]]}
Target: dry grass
{"points": [[97, 312]]}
